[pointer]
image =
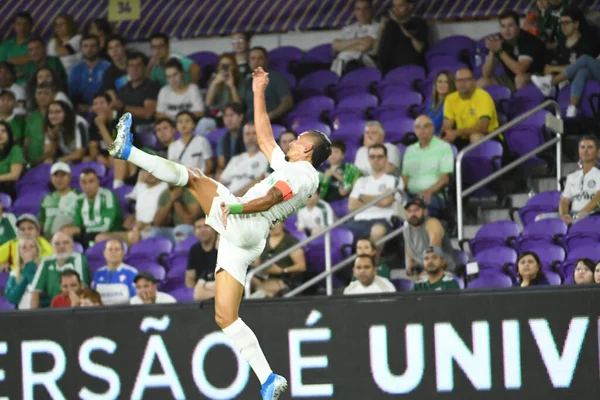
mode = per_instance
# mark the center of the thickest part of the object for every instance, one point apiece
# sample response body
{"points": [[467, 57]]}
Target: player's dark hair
{"points": [[339, 144], [378, 146], [69, 272], [160, 35], [322, 147], [509, 14]]}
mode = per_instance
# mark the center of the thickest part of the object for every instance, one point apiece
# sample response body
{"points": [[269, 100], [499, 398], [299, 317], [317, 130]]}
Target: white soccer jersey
{"points": [[242, 169], [379, 285], [368, 185], [300, 176], [580, 189]]}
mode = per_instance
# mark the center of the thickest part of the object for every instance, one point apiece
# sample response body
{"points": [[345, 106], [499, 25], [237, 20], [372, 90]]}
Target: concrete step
{"points": [[470, 230], [519, 199], [492, 215], [543, 184], [568, 168]]}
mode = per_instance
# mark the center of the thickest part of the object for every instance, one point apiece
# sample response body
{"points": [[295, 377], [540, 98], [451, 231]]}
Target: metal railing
{"points": [[325, 232], [327, 274], [555, 127]]}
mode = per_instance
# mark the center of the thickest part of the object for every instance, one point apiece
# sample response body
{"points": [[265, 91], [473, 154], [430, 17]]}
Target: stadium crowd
{"points": [[80, 228]]}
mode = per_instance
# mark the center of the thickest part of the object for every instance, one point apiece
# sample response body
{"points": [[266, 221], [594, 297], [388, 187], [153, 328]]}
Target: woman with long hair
{"points": [[18, 288], [191, 150], [529, 270], [443, 85], [100, 27], [45, 74], [178, 95], [223, 86], [11, 160], [65, 42], [66, 134]]}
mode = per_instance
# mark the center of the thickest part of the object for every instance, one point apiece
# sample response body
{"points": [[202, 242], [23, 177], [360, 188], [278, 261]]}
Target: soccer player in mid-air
{"points": [[243, 223]]}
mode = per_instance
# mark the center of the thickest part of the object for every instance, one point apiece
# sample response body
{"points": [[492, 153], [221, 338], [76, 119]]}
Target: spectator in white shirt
{"points": [[178, 95], [145, 287], [316, 215], [374, 222], [66, 42], [582, 190], [245, 170], [191, 150], [375, 134], [138, 226], [367, 281], [357, 41]]}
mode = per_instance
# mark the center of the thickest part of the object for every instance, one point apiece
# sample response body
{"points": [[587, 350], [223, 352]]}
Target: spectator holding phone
{"points": [[223, 86]]}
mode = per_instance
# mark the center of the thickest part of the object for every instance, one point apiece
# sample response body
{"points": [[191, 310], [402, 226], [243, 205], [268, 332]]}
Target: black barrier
{"points": [[517, 344]]}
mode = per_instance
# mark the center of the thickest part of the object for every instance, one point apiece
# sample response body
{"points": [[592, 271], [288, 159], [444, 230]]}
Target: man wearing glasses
{"points": [[374, 222], [469, 113]]}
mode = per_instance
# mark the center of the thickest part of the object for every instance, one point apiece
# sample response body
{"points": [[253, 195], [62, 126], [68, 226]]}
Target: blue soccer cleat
{"points": [[273, 387], [121, 146]]}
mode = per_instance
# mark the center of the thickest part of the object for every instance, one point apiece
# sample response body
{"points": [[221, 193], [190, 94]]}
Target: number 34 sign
{"points": [[123, 10]]}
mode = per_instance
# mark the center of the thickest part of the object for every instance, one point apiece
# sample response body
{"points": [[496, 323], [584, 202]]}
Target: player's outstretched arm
{"points": [[261, 204], [264, 132]]}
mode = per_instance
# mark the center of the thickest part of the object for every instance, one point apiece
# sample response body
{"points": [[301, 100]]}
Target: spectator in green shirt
{"points": [[336, 182], [8, 113], [8, 225], [435, 265], [428, 165], [18, 288], [97, 209], [15, 50], [58, 208], [177, 211], [33, 139], [39, 59], [161, 53], [11, 160], [46, 283]]}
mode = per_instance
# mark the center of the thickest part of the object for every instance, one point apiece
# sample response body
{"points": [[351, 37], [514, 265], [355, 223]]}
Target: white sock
{"points": [[245, 341], [162, 169]]}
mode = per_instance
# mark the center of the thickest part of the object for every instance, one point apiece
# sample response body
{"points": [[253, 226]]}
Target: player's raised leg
{"points": [[204, 189]]}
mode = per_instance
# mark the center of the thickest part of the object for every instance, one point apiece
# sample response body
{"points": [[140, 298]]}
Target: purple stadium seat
{"points": [[281, 66], [357, 81], [552, 277], [438, 67], [396, 129], [5, 305], [306, 125], [351, 133], [434, 60], [397, 98], [522, 140], [290, 78], [524, 99], [583, 232], [148, 266], [313, 106], [147, 139], [391, 112], [175, 277], [462, 257], [290, 222], [564, 97], [298, 235], [185, 245], [496, 257], [481, 162], [278, 130], [29, 202], [540, 203], [287, 53], [341, 247], [38, 176], [490, 280], [402, 149], [407, 75], [316, 83], [108, 179], [3, 279], [494, 234], [204, 58], [214, 136], [385, 89], [6, 201], [322, 53], [348, 118], [340, 207], [97, 250], [357, 104], [183, 295], [78, 247], [453, 45], [499, 93], [551, 255], [544, 232], [150, 249], [121, 192], [403, 285]]}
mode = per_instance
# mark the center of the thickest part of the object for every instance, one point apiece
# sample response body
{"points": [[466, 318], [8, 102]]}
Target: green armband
{"points": [[235, 208]]}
